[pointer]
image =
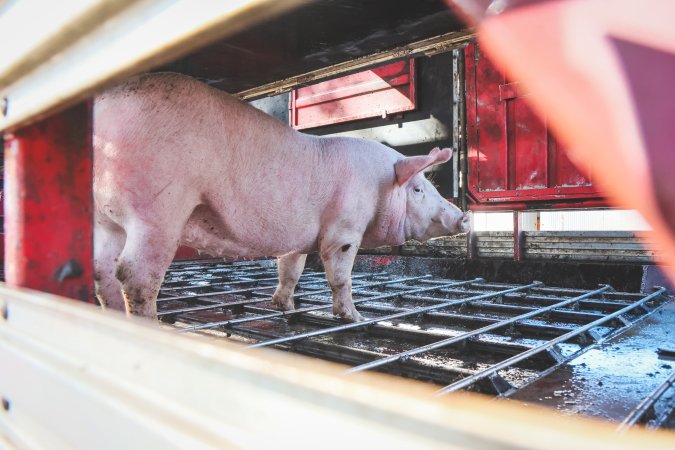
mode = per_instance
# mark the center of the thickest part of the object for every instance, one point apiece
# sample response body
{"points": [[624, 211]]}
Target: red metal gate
{"points": [[514, 162], [376, 92]]}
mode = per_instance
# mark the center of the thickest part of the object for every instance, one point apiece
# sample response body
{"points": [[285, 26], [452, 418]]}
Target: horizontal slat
{"points": [[500, 251], [630, 246], [588, 241], [493, 234], [116, 382], [494, 254], [594, 258], [448, 241], [620, 246], [583, 234], [421, 250], [386, 250], [495, 244], [588, 251]]}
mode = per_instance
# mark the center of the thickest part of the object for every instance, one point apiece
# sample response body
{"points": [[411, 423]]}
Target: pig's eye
{"points": [[417, 189]]}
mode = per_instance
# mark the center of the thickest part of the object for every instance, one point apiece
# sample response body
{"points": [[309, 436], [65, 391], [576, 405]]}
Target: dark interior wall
{"points": [[622, 277], [411, 133], [314, 35]]}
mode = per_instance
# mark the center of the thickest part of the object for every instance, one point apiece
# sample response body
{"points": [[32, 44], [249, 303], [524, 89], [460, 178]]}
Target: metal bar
{"points": [[531, 330], [610, 306], [467, 335], [214, 267], [437, 44], [391, 316], [291, 312], [183, 281], [173, 312], [236, 282], [305, 276], [212, 294], [413, 337], [221, 265], [206, 273], [245, 290], [508, 362], [646, 404], [517, 308], [457, 94], [624, 295], [222, 271]]}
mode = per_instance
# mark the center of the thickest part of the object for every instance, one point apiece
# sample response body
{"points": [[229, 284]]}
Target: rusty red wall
{"points": [[514, 162], [49, 205]]}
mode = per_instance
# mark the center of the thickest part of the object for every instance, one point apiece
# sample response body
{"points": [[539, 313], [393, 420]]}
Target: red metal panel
{"points": [[49, 206], [377, 92], [491, 128], [512, 157]]}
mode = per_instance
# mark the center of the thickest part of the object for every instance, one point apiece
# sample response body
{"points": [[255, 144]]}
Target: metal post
{"points": [[49, 205], [471, 250], [517, 235]]}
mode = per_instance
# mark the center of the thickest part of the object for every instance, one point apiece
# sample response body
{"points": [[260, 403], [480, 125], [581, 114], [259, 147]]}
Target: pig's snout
{"points": [[455, 221], [465, 222]]}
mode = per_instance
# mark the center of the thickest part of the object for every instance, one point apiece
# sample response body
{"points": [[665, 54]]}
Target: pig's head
{"points": [[428, 215]]}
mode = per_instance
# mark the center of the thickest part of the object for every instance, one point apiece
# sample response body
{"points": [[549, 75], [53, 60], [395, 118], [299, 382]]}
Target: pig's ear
{"points": [[409, 167]]}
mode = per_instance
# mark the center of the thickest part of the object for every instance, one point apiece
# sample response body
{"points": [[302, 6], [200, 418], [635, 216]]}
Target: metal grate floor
{"points": [[493, 338], [459, 334]]}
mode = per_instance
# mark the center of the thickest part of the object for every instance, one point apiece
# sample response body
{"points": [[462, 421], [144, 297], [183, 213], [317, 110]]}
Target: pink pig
{"points": [[177, 162]]}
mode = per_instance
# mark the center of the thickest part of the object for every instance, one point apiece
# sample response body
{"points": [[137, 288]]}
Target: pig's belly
{"points": [[217, 236]]}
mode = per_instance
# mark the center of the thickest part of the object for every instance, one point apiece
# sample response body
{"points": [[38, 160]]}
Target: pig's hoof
{"points": [[283, 303], [352, 316]]}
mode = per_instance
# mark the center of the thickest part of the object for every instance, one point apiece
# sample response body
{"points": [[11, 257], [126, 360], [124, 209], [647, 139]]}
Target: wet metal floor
{"points": [[590, 352], [609, 381]]}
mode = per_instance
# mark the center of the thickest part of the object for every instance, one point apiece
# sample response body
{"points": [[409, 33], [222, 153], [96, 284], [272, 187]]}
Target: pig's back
{"points": [[195, 146], [169, 108]]}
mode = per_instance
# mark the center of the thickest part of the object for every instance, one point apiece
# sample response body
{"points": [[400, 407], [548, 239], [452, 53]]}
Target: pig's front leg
{"points": [[290, 268], [147, 253], [338, 259]]}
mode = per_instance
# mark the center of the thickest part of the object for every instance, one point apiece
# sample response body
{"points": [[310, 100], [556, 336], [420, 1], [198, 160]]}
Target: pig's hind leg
{"points": [[108, 244], [290, 268], [338, 259], [148, 251]]}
